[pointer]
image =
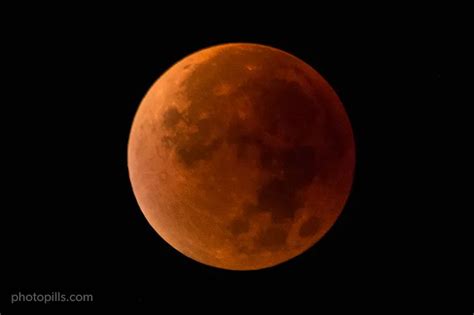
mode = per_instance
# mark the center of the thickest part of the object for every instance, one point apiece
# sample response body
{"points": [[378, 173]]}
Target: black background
{"points": [[71, 222]]}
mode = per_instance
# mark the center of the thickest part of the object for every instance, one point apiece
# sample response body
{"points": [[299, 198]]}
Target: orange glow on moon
{"points": [[241, 156]]}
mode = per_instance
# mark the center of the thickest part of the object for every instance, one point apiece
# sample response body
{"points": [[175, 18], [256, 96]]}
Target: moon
{"points": [[241, 156]]}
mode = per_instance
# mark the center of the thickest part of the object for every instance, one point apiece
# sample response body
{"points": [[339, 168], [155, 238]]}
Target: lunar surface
{"points": [[241, 156]]}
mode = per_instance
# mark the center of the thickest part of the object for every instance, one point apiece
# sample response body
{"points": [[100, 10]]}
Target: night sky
{"points": [[70, 221]]}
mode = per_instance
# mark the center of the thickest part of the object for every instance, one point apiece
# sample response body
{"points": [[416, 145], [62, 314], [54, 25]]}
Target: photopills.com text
{"points": [[53, 297]]}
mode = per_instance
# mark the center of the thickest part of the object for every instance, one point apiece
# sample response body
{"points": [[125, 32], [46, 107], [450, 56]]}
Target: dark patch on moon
{"points": [[171, 118], [293, 169], [249, 209], [189, 146], [287, 113], [239, 135], [192, 153], [239, 226], [278, 197], [272, 238], [309, 227], [299, 166], [284, 110]]}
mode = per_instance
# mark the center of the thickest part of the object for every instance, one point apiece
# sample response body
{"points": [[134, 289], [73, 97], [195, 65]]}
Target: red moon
{"points": [[241, 156]]}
